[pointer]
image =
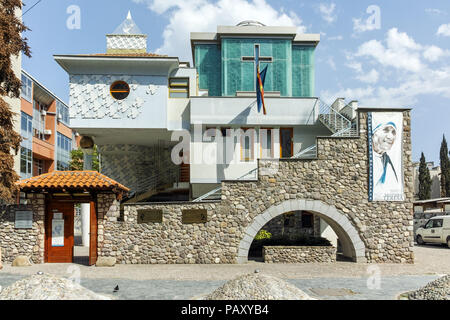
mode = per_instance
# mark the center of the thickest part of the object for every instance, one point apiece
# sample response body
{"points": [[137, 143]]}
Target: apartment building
{"points": [[47, 139]]}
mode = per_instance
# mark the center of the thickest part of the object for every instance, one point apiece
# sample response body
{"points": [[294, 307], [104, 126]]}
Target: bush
{"points": [[263, 234]]}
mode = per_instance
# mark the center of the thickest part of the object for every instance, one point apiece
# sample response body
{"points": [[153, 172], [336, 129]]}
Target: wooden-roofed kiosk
{"points": [[57, 192]]}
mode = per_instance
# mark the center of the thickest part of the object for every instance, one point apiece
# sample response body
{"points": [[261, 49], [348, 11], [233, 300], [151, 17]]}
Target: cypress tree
{"points": [[445, 169], [424, 180]]}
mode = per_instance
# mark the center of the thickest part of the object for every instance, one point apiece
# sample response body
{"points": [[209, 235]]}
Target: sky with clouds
{"points": [[382, 53]]}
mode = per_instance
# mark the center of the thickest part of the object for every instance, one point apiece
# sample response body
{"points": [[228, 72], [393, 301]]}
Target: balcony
{"points": [[281, 111]]}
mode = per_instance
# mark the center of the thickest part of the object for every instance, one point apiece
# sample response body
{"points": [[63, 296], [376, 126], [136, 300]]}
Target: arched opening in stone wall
{"points": [[279, 217], [296, 228]]}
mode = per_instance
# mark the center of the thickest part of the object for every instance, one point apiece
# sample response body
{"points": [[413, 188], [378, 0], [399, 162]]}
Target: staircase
{"points": [[335, 121], [216, 194], [338, 123], [164, 177]]}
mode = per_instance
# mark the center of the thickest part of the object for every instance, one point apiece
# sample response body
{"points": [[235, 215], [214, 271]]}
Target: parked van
{"points": [[436, 230]]}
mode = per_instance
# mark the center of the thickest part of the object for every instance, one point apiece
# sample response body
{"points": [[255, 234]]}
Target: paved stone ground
{"points": [[325, 281], [322, 288]]}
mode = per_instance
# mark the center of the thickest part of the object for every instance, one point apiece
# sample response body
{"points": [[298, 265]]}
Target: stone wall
{"points": [[298, 254], [334, 187], [28, 242], [338, 179], [170, 241]]}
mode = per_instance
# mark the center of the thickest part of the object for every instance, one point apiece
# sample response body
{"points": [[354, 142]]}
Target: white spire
{"points": [[128, 26], [126, 38]]}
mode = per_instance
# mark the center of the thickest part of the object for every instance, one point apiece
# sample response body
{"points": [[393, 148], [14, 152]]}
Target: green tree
{"points": [[76, 162], [424, 180], [11, 45], [445, 169]]}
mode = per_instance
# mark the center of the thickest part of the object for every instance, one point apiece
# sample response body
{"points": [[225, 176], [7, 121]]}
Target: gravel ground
{"points": [[340, 280], [256, 286], [320, 288], [48, 287], [438, 289]]}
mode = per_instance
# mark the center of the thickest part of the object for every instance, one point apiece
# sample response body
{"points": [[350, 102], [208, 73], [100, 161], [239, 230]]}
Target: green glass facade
{"points": [[302, 71], [224, 70], [207, 61]]}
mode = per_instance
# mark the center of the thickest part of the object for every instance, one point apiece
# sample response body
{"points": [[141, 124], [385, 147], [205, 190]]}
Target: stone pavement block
{"points": [[21, 261], [105, 262]]}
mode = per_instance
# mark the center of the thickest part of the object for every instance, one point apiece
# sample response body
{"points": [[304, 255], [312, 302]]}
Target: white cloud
{"points": [[434, 82], [357, 66], [331, 63], [435, 11], [327, 12], [401, 52], [204, 16], [444, 30], [370, 77], [434, 53], [410, 77], [360, 26], [373, 21], [336, 38]]}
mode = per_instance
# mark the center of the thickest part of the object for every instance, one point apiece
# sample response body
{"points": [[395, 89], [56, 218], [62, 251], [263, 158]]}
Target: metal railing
{"points": [[332, 118], [311, 152]]}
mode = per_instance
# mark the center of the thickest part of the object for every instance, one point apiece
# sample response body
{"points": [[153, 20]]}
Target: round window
{"points": [[119, 90]]}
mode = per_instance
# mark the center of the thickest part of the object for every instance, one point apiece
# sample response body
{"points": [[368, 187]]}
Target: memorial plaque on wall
{"points": [[57, 232], [24, 220], [149, 215], [194, 216]]}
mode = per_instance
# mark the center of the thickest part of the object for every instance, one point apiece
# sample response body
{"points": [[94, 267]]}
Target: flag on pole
{"points": [[260, 78]]}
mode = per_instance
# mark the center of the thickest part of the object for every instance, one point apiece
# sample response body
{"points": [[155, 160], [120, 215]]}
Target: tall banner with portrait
{"points": [[385, 134]]}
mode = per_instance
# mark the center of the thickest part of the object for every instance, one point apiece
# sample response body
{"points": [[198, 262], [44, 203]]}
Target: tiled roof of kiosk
{"points": [[91, 180]]}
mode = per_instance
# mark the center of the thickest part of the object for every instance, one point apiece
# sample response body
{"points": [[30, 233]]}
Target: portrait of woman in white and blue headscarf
{"points": [[387, 156]]}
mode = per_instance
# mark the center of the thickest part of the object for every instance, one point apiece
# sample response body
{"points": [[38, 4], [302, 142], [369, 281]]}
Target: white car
{"points": [[436, 230]]}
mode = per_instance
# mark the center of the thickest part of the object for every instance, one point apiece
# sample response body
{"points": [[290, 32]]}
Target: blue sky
{"points": [[381, 53]]}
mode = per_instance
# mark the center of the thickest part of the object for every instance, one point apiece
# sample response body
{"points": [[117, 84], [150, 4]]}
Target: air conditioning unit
{"points": [[43, 113], [47, 132]]}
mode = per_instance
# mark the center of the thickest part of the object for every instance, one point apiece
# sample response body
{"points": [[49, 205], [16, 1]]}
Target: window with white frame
{"points": [[64, 147], [38, 119], [63, 112], [247, 144], [27, 88], [39, 164], [266, 143], [26, 145], [26, 163]]}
